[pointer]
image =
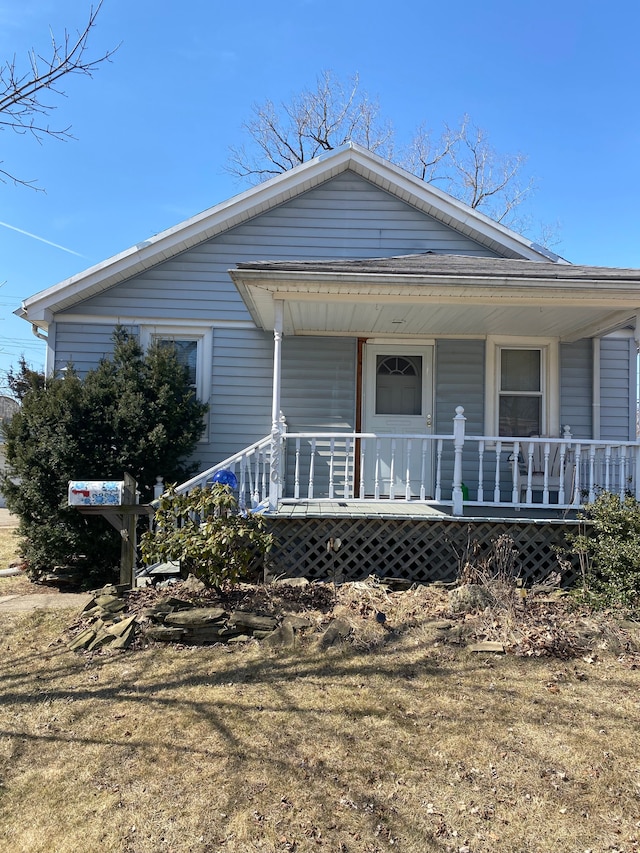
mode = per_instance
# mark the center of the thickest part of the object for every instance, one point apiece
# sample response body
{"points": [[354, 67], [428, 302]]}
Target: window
{"points": [[194, 348], [398, 385], [187, 355], [520, 392], [522, 387]]}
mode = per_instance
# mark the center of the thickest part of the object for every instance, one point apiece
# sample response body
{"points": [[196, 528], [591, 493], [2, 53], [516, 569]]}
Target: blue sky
{"points": [[558, 81]]}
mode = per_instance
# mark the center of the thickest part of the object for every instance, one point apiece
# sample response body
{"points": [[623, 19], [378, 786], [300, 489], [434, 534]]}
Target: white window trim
{"points": [[203, 335], [550, 351]]}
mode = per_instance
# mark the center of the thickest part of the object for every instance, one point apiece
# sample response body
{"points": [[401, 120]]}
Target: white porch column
{"points": [[276, 433], [458, 443]]}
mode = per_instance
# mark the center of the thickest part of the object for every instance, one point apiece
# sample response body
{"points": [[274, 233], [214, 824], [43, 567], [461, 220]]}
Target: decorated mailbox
{"points": [[96, 492]]}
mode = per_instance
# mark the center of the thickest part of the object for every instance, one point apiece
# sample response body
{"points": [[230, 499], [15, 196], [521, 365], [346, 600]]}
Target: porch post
{"points": [[276, 432], [458, 443]]}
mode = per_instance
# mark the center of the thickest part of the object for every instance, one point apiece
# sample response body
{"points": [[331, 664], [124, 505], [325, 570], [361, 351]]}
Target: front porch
{"points": [[455, 474], [348, 505]]}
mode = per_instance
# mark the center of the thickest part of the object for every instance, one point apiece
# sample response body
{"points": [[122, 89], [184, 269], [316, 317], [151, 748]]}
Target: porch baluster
{"points": [[439, 446], [623, 472], [480, 471], [262, 456], [407, 479], [607, 467], [296, 474], [529, 492], [376, 480], [242, 500], [347, 475], [332, 456], [592, 473], [363, 453], [312, 465], [255, 491], [561, 497], [496, 487], [392, 471], [577, 490], [458, 444], [423, 469], [545, 479], [515, 473]]}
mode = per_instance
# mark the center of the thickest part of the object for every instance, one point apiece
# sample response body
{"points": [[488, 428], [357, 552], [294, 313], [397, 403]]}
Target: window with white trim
{"points": [[194, 349], [520, 392], [522, 387]]}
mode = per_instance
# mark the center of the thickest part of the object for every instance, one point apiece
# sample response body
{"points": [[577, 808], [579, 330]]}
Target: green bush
{"points": [[206, 533], [134, 413], [609, 548]]}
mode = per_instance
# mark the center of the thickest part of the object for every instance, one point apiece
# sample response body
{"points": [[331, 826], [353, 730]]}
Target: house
{"points": [[378, 355]]}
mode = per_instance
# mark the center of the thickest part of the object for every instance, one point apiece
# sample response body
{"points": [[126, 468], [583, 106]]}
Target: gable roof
{"points": [[164, 246]]}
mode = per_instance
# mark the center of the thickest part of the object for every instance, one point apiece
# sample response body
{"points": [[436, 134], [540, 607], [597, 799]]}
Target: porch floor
{"points": [[357, 509], [417, 510]]}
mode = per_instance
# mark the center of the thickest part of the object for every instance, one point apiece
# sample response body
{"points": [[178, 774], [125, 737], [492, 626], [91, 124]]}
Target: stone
{"points": [[282, 637], [291, 582], [337, 630], [82, 640], [124, 640], [117, 629], [166, 635], [197, 616], [252, 621]]}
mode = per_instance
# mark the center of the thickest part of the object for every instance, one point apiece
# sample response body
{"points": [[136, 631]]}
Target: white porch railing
{"points": [[452, 469]]}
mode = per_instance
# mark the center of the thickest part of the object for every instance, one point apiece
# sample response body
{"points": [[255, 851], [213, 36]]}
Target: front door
{"points": [[398, 400]]}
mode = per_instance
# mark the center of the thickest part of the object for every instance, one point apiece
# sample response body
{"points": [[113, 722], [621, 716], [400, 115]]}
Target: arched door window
{"points": [[398, 385]]}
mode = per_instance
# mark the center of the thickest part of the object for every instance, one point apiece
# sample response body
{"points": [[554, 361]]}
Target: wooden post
{"points": [[128, 533], [458, 444], [276, 431]]}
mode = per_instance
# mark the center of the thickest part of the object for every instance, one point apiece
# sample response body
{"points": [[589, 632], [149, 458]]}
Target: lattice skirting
{"points": [[420, 551]]}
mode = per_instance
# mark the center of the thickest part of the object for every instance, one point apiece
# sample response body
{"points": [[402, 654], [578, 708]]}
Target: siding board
{"points": [[617, 377]]}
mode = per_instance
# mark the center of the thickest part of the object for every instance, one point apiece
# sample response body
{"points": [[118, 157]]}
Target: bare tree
{"points": [[24, 89], [314, 121], [460, 160]]}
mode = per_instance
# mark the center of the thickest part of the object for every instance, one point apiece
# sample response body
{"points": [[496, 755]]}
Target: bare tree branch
{"points": [[24, 107], [460, 159], [315, 121]]}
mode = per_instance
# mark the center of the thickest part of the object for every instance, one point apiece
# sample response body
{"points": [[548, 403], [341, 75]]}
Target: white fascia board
{"points": [[293, 284], [250, 203]]}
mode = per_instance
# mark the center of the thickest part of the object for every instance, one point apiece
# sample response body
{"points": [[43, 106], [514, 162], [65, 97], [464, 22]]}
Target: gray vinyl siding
{"points": [[460, 373], [346, 217], [318, 383], [240, 405], [576, 388], [617, 378], [83, 344]]}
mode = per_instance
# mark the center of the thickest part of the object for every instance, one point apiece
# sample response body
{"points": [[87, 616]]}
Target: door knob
{"points": [[428, 420]]}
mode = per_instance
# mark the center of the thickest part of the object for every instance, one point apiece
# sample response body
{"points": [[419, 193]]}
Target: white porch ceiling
{"points": [[368, 307]]}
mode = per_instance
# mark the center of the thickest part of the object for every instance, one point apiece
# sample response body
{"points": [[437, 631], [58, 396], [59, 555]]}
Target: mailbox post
{"points": [[117, 502]]}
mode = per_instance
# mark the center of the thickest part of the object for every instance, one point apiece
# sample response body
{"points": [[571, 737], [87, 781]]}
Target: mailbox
{"points": [[96, 492]]}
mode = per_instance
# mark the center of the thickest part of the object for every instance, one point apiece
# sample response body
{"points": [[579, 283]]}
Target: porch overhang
{"points": [[419, 297]]}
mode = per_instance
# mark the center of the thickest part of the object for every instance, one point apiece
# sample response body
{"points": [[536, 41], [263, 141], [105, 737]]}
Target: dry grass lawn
{"points": [[395, 740]]}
